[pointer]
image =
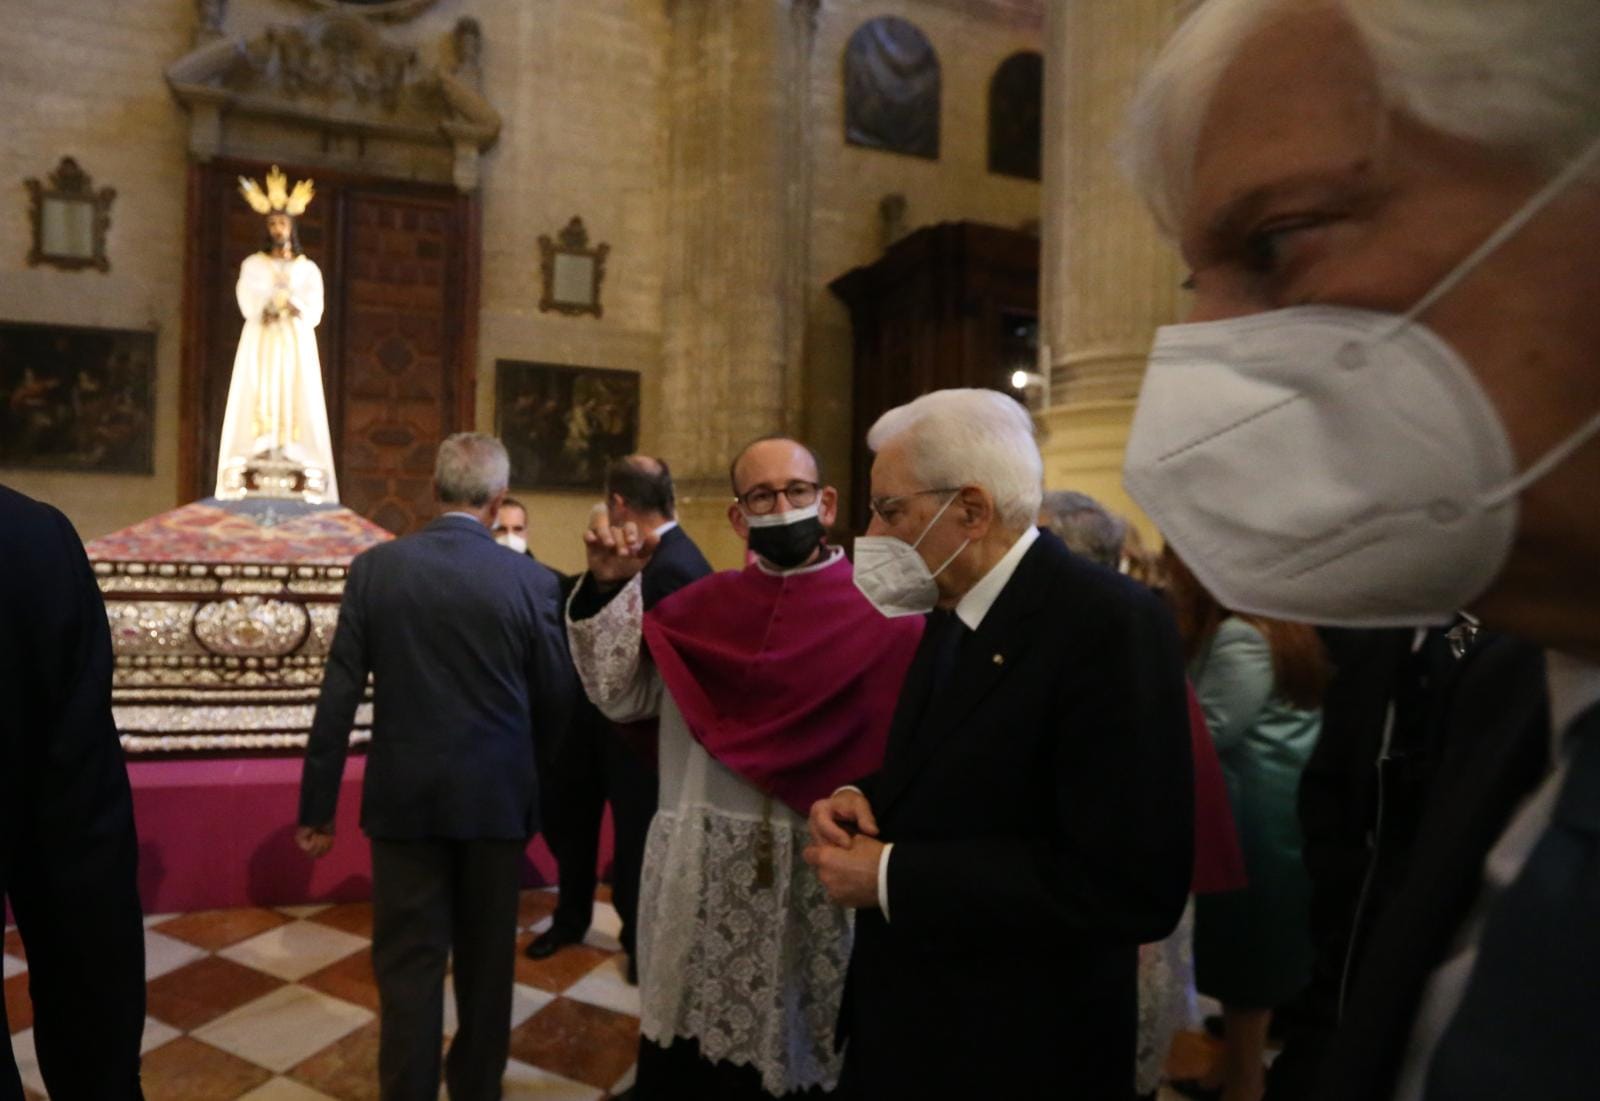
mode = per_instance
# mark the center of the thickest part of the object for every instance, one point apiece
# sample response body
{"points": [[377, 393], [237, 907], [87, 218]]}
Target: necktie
{"points": [[1529, 1020]]}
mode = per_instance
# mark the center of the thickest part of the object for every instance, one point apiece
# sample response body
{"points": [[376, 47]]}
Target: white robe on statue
{"points": [[275, 400]]}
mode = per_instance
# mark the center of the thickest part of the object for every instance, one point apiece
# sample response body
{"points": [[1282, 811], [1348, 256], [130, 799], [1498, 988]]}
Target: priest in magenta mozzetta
{"points": [[774, 685]]}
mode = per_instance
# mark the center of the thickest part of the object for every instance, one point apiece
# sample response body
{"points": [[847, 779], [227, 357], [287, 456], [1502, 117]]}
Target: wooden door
{"points": [[399, 268]]}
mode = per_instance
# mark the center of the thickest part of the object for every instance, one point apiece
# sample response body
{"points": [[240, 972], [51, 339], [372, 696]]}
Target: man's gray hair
{"points": [[472, 467], [1085, 526], [1519, 75], [970, 437]]}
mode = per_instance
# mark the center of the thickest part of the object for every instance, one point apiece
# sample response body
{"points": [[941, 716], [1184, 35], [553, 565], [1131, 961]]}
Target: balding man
{"points": [[463, 642], [1391, 212], [1032, 823], [774, 684], [600, 762]]}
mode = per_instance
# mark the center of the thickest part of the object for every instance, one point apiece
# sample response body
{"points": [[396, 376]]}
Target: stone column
{"points": [[1107, 280], [738, 202]]}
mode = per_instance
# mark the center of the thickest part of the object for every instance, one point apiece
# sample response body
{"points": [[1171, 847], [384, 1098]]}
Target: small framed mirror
{"points": [[572, 271], [70, 219]]}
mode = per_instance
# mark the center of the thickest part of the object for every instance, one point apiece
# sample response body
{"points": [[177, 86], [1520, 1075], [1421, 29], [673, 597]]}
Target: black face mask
{"points": [[785, 542]]}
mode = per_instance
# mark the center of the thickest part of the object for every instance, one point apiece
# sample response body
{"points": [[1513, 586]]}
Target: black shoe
{"points": [[632, 973], [549, 942]]}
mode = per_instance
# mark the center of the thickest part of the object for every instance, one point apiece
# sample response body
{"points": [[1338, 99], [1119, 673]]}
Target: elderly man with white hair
{"points": [[1032, 822], [1384, 410], [469, 662]]}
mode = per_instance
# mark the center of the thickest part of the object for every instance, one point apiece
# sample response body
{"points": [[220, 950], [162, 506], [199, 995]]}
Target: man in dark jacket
{"points": [[68, 854], [469, 669]]}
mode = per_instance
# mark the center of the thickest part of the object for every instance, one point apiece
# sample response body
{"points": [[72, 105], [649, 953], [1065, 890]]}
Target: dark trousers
{"points": [[593, 766], [431, 898]]}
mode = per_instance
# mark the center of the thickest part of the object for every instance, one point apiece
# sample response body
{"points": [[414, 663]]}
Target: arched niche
{"points": [[891, 89], [1016, 103]]}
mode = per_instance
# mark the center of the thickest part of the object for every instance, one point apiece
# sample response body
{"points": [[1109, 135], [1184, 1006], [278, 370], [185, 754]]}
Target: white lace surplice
{"points": [[753, 974]]}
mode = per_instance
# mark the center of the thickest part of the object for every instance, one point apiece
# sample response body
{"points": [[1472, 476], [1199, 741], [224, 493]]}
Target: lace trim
{"points": [[754, 974], [605, 647], [1166, 999]]}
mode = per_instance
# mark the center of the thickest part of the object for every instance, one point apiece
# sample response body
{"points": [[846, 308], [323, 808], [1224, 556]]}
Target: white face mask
{"points": [[512, 541], [1332, 465], [892, 575]]}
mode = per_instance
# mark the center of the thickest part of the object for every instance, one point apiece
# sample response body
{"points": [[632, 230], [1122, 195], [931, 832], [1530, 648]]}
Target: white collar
{"points": [[1574, 688], [981, 597], [834, 554], [664, 528]]}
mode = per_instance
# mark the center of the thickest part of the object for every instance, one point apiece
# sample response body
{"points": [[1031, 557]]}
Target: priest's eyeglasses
{"points": [[887, 508], [761, 500]]}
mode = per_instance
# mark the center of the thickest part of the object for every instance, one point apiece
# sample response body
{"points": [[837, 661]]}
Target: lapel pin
{"points": [[999, 659]]}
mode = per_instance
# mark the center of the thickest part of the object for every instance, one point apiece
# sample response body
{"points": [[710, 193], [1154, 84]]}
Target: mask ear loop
{"points": [[1508, 229], [964, 543]]}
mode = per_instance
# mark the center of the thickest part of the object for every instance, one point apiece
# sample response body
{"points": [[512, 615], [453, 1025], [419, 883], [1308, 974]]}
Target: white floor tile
{"points": [[523, 1081], [607, 987], [300, 913], [541, 925], [157, 919], [295, 950], [284, 1027], [163, 953], [604, 927], [12, 966], [156, 1033], [525, 1002], [626, 1081], [27, 1060], [284, 1089]]}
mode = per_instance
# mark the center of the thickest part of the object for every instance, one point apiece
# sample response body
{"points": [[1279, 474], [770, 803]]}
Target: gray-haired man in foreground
{"points": [[469, 666]]}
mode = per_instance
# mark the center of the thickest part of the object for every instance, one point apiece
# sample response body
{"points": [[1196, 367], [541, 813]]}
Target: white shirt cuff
{"points": [[883, 879]]}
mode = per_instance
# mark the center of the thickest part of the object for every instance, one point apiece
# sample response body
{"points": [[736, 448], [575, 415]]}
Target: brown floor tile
{"points": [[602, 893], [347, 1070], [19, 1007], [215, 929], [187, 1070], [351, 917], [1194, 1055], [351, 979], [561, 970], [14, 944], [578, 1041], [204, 990], [29, 1095], [534, 906]]}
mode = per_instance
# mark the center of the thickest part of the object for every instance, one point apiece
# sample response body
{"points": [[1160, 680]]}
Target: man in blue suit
{"points": [[464, 643]]}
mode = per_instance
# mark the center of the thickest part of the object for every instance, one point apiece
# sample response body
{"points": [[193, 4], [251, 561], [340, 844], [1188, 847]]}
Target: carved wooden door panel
{"points": [[398, 389], [399, 268]]}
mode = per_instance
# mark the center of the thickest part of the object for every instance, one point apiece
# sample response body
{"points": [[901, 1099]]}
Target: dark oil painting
{"points": [[76, 398], [563, 425]]}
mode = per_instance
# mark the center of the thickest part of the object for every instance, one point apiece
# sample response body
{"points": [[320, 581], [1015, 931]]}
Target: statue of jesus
{"points": [[275, 438]]}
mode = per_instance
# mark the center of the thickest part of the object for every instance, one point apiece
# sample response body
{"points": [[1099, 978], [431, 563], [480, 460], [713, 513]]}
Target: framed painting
{"points": [[563, 425], [77, 399]]}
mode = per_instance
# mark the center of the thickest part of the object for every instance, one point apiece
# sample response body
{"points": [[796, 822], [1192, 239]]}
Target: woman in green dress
{"points": [[1260, 684]]}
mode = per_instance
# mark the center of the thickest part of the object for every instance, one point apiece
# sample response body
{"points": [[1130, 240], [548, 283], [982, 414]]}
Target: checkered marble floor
{"points": [[281, 1005]]}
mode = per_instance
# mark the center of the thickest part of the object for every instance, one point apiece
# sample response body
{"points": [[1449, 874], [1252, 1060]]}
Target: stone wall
{"points": [[583, 89]]}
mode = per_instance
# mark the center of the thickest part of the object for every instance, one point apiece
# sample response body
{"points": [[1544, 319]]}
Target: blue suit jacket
{"points": [[469, 663]]}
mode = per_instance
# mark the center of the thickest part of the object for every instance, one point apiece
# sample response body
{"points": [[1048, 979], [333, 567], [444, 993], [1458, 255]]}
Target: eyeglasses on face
{"points": [[887, 508], [761, 500]]}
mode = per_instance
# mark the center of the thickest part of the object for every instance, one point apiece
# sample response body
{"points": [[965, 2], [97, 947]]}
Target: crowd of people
{"points": [[977, 808]]}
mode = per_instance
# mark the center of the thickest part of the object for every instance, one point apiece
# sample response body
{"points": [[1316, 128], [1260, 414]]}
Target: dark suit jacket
{"points": [[469, 665], [676, 562], [68, 854], [1042, 819], [1496, 721]]}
